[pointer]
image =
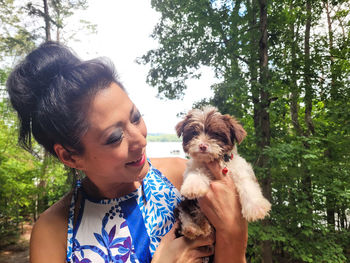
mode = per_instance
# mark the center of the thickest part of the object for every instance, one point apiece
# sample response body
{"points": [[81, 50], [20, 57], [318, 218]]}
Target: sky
{"points": [[123, 34]]}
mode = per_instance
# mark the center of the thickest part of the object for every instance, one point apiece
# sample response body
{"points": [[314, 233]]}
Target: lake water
{"points": [[165, 149]]}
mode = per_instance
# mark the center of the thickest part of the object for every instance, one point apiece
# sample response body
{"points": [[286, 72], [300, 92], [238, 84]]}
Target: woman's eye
{"points": [[136, 117], [114, 138]]}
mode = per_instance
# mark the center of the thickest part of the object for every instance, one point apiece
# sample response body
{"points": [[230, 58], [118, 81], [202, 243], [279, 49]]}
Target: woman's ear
{"points": [[67, 157]]}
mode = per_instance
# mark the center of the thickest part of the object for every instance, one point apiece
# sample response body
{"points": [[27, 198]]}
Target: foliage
{"points": [[25, 24], [307, 108], [20, 175], [29, 184], [15, 39], [58, 15]]}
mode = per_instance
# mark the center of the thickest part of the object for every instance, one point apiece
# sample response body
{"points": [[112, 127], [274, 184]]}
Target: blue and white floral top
{"points": [[125, 229]]}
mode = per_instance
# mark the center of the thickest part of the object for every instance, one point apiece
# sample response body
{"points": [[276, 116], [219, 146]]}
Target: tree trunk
{"points": [[330, 197], [253, 68], [306, 173], [294, 95], [47, 21], [264, 120], [57, 11], [57, 34], [307, 71], [41, 198], [331, 48]]}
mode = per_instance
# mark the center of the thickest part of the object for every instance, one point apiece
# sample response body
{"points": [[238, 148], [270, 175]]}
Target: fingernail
{"points": [[225, 171]]}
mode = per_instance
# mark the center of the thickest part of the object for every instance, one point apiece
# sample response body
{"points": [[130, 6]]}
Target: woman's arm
{"points": [[49, 235], [222, 207]]}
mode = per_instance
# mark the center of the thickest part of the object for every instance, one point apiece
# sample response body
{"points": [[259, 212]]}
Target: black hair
{"points": [[51, 90]]}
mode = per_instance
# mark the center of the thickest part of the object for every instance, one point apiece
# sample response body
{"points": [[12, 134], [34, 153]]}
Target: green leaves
{"points": [[306, 157], [29, 184], [25, 191]]}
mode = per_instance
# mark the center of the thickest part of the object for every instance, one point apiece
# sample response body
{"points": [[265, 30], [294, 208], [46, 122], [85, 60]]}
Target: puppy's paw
{"points": [[256, 209], [194, 189]]}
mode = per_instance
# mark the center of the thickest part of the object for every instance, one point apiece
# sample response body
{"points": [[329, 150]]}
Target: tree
{"points": [[15, 39], [20, 173], [19, 34], [280, 75], [56, 13], [30, 183]]}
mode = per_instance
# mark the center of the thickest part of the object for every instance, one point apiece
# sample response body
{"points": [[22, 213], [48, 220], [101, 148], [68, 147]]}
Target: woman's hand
{"points": [[222, 207], [182, 250]]}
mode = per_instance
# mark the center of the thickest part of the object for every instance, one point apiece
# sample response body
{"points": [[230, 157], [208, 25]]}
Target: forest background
{"points": [[283, 69]]}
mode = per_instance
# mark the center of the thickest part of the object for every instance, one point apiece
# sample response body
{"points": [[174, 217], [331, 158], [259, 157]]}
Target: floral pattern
{"points": [[158, 214], [112, 241]]}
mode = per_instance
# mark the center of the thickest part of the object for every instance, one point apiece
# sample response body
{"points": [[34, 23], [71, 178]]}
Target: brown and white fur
{"points": [[208, 136]]}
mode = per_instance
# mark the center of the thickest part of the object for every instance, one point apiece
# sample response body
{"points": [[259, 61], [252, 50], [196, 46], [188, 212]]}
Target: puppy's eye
{"points": [[188, 136], [194, 132], [219, 136]]}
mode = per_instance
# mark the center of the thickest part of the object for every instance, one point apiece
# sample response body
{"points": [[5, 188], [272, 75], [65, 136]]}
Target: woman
{"points": [[122, 211]]}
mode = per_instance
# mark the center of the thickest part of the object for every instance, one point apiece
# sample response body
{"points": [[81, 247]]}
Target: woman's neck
{"points": [[108, 191]]}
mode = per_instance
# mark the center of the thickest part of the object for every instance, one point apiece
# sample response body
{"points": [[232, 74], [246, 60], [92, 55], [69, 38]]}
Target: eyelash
{"points": [[114, 139], [137, 117], [117, 139]]}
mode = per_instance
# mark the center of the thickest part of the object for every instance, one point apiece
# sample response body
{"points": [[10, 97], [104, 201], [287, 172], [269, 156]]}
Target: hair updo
{"points": [[51, 90]]}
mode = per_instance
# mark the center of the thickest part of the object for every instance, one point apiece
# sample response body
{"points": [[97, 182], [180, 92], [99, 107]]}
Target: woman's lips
{"points": [[138, 162]]}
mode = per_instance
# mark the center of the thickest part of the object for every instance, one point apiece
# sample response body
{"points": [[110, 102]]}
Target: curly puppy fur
{"points": [[210, 136]]}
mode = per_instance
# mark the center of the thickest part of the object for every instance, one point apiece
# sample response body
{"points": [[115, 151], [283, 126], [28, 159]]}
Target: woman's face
{"points": [[115, 142]]}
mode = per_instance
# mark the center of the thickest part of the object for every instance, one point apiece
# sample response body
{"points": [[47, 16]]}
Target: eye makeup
{"points": [[135, 116], [115, 137]]}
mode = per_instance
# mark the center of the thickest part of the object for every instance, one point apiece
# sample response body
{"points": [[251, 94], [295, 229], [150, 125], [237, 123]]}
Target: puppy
{"points": [[210, 136]]}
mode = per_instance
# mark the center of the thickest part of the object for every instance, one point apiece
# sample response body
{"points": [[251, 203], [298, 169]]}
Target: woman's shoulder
{"points": [[49, 235], [172, 168]]}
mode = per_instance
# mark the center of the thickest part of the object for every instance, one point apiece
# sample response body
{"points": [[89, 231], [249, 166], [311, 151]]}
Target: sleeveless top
{"points": [[125, 229]]}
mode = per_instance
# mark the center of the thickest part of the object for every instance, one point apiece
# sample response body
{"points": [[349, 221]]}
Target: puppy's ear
{"points": [[181, 125], [180, 128], [237, 131]]}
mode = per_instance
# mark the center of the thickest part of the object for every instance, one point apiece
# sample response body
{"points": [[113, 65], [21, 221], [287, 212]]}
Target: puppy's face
{"points": [[208, 135]]}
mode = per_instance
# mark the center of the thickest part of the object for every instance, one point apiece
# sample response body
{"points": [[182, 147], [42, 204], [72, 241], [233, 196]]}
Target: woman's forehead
{"points": [[109, 106]]}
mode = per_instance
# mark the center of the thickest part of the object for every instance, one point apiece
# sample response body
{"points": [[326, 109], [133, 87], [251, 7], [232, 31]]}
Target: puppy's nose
{"points": [[203, 147]]}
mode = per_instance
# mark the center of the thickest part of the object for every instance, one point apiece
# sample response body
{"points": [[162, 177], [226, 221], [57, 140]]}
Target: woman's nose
{"points": [[137, 137]]}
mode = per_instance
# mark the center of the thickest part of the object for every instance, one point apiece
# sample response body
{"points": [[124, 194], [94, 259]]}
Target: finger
{"points": [[170, 235], [202, 241], [216, 170], [206, 251], [207, 208]]}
